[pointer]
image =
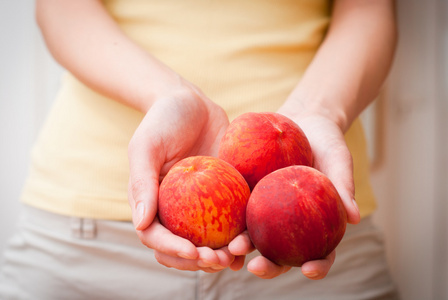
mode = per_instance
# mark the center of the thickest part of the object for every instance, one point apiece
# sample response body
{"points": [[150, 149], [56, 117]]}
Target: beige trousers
{"points": [[57, 257]]}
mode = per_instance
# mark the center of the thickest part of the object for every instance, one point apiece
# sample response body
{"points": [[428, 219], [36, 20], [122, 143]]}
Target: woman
{"points": [[152, 82]]}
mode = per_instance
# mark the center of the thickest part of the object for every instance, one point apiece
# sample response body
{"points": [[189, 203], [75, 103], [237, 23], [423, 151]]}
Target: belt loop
{"points": [[83, 228], [88, 229], [76, 227]]}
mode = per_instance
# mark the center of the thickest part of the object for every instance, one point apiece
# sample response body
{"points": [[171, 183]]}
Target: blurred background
{"points": [[406, 127]]}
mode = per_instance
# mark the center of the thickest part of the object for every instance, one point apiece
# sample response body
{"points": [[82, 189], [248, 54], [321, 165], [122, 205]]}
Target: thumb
{"points": [[142, 197], [341, 175], [145, 161], [333, 158]]}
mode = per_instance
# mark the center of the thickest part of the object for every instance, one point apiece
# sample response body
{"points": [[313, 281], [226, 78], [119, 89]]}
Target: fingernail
{"points": [[357, 208], [184, 255], [204, 264], [217, 267], [312, 275], [258, 273], [355, 204], [140, 213]]}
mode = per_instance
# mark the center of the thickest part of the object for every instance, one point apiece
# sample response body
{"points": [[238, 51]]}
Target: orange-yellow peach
{"points": [[203, 199]]}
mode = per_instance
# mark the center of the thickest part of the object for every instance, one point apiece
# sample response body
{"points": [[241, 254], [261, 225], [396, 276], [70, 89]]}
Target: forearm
{"points": [[351, 65], [86, 41]]}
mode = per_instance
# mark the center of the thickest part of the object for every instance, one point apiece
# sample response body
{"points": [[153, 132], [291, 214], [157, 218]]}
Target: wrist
{"points": [[159, 85], [303, 104]]}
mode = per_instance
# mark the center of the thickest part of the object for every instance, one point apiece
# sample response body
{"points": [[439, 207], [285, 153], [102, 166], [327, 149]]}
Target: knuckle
{"points": [[137, 186], [159, 258]]}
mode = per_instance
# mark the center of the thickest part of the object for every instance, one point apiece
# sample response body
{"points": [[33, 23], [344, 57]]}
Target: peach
{"points": [[257, 144], [295, 215], [204, 199]]}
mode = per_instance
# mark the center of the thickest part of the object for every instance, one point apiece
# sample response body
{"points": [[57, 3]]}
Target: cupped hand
{"points": [[181, 124], [333, 158]]}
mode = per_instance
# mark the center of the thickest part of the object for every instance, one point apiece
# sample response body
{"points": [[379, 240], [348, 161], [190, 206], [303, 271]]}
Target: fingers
{"points": [[175, 252], [238, 263], [157, 237], [207, 261], [142, 197], [264, 268], [225, 258], [146, 157], [318, 269], [241, 245]]}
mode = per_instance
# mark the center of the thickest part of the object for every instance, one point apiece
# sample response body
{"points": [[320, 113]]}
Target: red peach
{"points": [[257, 144], [203, 199], [295, 215]]}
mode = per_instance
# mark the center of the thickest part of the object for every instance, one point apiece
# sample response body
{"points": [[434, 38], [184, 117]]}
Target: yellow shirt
{"points": [[245, 55]]}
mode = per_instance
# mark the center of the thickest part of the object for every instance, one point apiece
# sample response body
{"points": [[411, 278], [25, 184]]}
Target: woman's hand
{"points": [[181, 124], [343, 78], [332, 157]]}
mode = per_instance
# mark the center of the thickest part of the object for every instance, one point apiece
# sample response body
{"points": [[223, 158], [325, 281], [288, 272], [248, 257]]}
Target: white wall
{"points": [[411, 176], [28, 78], [411, 191], [16, 98]]}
